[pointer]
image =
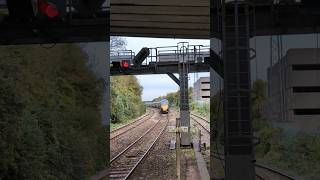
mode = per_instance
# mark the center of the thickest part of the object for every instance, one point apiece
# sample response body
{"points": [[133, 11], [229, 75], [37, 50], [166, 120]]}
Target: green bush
{"points": [[50, 125], [297, 154], [126, 100], [202, 110]]}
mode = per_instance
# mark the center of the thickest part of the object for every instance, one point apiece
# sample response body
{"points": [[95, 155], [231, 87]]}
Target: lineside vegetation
{"points": [[50, 124], [126, 103]]}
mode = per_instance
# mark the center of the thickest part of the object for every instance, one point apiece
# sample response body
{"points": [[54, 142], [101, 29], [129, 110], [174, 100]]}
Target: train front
{"points": [[164, 106]]}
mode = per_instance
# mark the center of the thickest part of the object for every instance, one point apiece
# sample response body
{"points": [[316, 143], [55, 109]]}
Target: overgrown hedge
{"points": [[126, 100], [298, 154], [50, 126]]}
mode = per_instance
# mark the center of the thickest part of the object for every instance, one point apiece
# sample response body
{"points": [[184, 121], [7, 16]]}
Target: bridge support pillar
{"points": [[99, 64], [239, 156], [234, 30], [184, 104]]}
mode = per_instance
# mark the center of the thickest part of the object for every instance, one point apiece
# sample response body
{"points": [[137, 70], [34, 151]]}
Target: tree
{"points": [[117, 43], [126, 91], [50, 126], [258, 97], [126, 100]]}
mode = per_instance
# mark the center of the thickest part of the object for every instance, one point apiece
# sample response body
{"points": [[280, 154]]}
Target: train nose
{"points": [[164, 107]]}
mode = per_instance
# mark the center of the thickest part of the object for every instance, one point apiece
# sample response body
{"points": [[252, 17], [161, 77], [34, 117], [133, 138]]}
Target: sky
{"points": [[159, 85]]}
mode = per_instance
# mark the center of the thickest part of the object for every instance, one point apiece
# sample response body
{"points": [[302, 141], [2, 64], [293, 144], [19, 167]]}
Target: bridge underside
{"points": [[91, 31], [158, 68], [169, 19], [69, 31], [191, 19]]}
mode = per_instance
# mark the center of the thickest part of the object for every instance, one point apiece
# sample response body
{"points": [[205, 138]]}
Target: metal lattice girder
{"points": [[165, 59], [158, 69], [184, 103], [215, 62], [239, 155], [174, 78]]}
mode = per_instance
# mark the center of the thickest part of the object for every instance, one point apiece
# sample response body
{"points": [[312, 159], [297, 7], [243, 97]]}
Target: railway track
{"points": [[124, 137], [127, 160], [123, 129], [262, 172], [205, 124], [266, 173]]}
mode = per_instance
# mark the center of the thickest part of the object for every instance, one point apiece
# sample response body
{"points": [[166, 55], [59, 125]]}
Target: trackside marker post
{"points": [[178, 149], [178, 129], [174, 129]]}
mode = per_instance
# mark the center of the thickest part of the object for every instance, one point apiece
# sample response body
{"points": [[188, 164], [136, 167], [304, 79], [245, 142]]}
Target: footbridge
{"points": [[163, 60]]}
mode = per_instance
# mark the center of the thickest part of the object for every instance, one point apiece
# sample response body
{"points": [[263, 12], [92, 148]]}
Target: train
{"points": [[164, 106]]}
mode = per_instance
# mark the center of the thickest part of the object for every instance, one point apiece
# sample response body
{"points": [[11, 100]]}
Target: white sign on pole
{"points": [[171, 128], [184, 129]]}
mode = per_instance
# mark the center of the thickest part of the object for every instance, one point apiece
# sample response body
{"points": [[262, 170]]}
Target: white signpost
{"points": [[174, 129], [178, 129]]}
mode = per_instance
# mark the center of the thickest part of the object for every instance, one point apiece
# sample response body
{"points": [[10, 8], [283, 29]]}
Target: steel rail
{"points": [[145, 153], [148, 150], [197, 121], [200, 117], [134, 121], [277, 172], [257, 165], [147, 116], [133, 143]]}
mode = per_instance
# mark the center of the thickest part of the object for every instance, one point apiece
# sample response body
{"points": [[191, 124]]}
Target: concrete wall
{"points": [[283, 102], [98, 62], [201, 89]]}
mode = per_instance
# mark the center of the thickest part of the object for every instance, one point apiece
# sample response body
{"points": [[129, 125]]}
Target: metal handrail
{"points": [[121, 55], [191, 53]]}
